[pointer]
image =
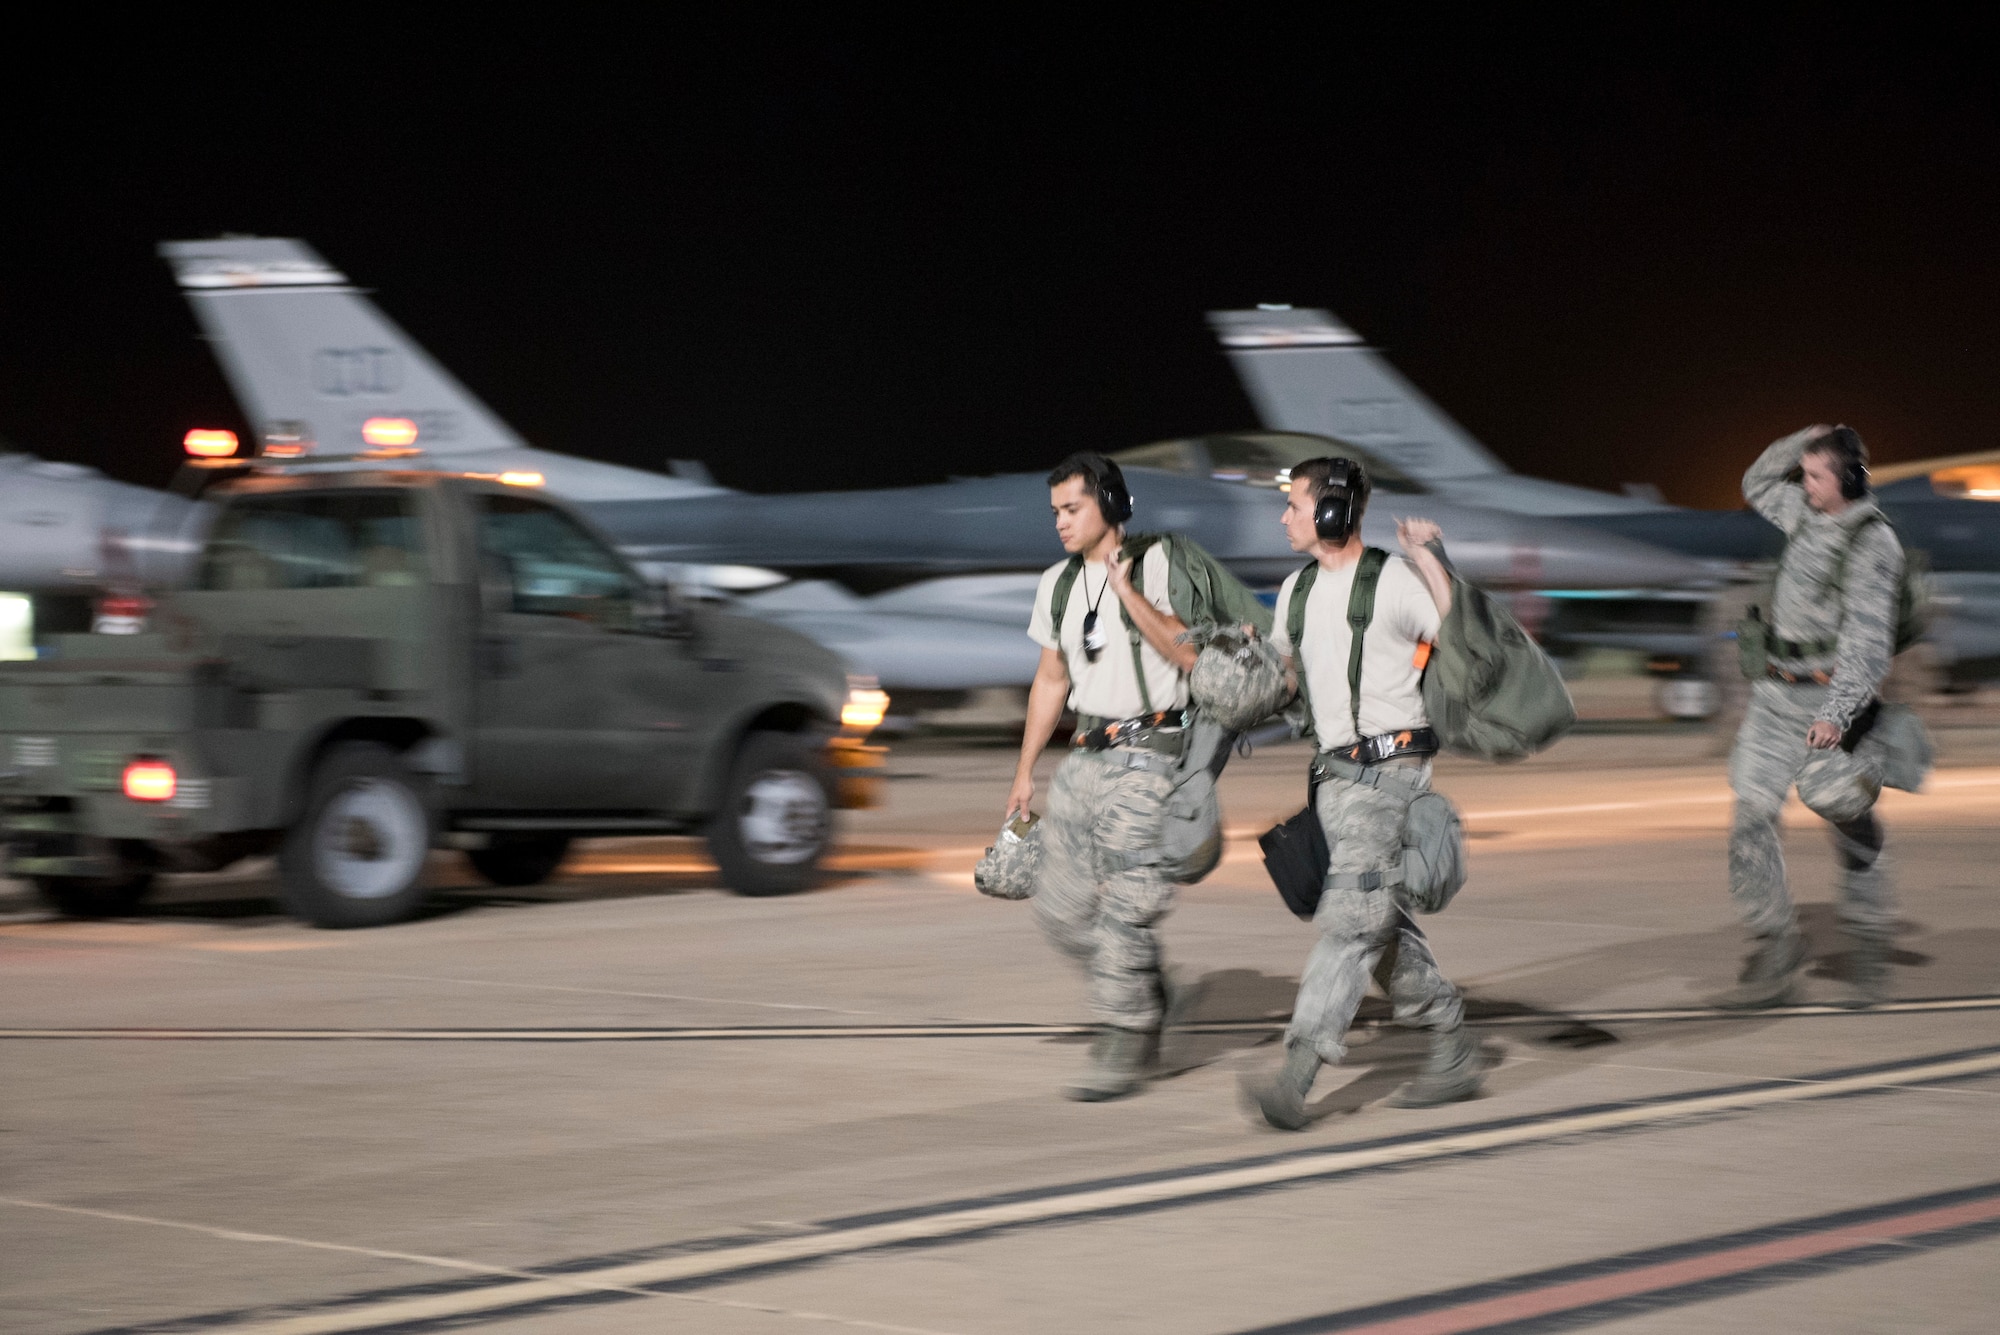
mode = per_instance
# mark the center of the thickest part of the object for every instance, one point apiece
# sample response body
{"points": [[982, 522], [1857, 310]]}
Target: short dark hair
{"points": [[1844, 445], [1089, 465], [1314, 474]]}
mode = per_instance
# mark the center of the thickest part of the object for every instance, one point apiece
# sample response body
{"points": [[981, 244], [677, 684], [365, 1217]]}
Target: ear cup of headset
{"points": [[1853, 462], [1114, 502], [1338, 508]]}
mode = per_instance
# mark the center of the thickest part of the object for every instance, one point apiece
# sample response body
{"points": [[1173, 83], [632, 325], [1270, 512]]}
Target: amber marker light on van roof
{"points": [[204, 443], [523, 479], [149, 781], [392, 432]]}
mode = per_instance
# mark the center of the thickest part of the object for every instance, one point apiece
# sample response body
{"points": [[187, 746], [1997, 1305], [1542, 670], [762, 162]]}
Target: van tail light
{"points": [[150, 781]]}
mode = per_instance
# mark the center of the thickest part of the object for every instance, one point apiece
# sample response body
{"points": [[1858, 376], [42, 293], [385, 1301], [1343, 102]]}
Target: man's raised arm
{"points": [[1768, 485]]}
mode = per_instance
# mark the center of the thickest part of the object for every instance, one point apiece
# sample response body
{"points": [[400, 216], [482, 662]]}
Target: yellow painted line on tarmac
{"points": [[1182, 1187]]}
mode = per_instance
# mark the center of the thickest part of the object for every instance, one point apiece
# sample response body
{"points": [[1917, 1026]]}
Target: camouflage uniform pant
{"points": [[1770, 756], [1366, 933], [1101, 894]]}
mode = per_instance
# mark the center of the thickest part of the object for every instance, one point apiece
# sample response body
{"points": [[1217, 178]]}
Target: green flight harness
{"points": [[1296, 854]]}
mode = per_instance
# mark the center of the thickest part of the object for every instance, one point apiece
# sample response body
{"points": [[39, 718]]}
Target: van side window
{"points": [[307, 540], [555, 566]]}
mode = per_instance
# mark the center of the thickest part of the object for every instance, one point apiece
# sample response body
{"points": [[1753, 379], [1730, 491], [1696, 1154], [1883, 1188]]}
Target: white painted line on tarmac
{"points": [[1182, 1187], [450, 1263], [239, 1235]]}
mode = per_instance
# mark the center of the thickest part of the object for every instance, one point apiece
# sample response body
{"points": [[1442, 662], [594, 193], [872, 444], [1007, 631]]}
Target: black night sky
{"points": [[1617, 247]]}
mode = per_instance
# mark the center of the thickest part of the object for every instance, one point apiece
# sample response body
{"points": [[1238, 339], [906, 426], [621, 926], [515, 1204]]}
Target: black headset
{"points": [[1337, 509], [1844, 443], [1114, 502]]}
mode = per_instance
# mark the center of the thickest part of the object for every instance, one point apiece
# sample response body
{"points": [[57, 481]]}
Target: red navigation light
{"points": [[392, 432], [149, 780], [204, 443]]}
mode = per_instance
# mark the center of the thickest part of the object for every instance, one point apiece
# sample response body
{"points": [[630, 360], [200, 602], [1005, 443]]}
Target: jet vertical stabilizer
{"points": [[321, 372], [313, 361], [1306, 371]]}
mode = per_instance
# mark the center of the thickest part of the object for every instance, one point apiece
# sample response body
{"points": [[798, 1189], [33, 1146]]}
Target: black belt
{"points": [[1099, 734], [1375, 750], [1797, 649]]}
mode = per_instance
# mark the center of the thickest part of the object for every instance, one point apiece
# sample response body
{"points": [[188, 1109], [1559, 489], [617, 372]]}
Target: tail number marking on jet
{"points": [[341, 372]]}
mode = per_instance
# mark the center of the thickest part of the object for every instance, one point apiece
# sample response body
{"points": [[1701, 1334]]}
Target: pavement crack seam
{"points": [[959, 1028], [958, 1220]]}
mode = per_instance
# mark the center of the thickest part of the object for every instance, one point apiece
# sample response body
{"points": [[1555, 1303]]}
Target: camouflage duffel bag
{"points": [[1238, 680]]}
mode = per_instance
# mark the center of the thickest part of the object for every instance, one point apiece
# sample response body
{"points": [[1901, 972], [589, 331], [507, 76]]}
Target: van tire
{"points": [[356, 856], [775, 820], [528, 861]]}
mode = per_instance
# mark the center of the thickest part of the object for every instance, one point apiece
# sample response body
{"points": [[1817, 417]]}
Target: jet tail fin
{"points": [[316, 366], [1306, 371]]}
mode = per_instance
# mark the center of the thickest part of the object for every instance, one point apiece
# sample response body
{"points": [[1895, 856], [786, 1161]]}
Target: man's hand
{"points": [[1160, 629], [1415, 535], [1822, 736], [1118, 572], [1021, 795]]}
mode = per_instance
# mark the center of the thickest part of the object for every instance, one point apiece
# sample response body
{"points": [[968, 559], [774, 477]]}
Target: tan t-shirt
{"points": [[1392, 695], [1108, 687]]}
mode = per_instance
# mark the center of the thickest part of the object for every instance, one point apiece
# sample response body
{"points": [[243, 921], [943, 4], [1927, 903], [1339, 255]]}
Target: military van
{"points": [[365, 666]]}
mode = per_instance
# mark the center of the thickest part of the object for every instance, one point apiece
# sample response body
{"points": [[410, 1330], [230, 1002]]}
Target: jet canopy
{"points": [[1259, 458]]}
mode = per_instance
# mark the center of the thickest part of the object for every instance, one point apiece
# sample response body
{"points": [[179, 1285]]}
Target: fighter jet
{"points": [[927, 588], [1306, 371], [68, 533]]}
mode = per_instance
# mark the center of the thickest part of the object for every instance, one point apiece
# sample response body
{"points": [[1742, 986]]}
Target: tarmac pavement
{"points": [[629, 1101]]}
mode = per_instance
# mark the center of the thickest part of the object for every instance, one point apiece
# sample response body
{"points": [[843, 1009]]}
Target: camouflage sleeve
{"points": [[1867, 626], [1766, 485]]}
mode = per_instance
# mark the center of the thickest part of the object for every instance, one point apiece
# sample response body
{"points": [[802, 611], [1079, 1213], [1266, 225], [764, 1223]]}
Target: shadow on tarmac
{"points": [[1383, 1055]]}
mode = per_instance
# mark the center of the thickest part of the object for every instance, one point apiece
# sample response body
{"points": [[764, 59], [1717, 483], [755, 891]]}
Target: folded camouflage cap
{"points": [[1013, 865]]}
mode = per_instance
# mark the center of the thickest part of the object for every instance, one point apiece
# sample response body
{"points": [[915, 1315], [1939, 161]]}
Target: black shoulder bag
{"points": [[1296, 853]]}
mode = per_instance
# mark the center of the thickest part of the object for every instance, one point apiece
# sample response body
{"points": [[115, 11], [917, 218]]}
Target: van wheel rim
{"points": [[783, 817], [371, 841]]}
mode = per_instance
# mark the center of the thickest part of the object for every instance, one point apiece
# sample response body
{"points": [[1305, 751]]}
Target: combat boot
{"points": [[1180, 997], [1770, 975], [1454, 1072], [1867, 971], [1117, 1061], [1282, 1097]]}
